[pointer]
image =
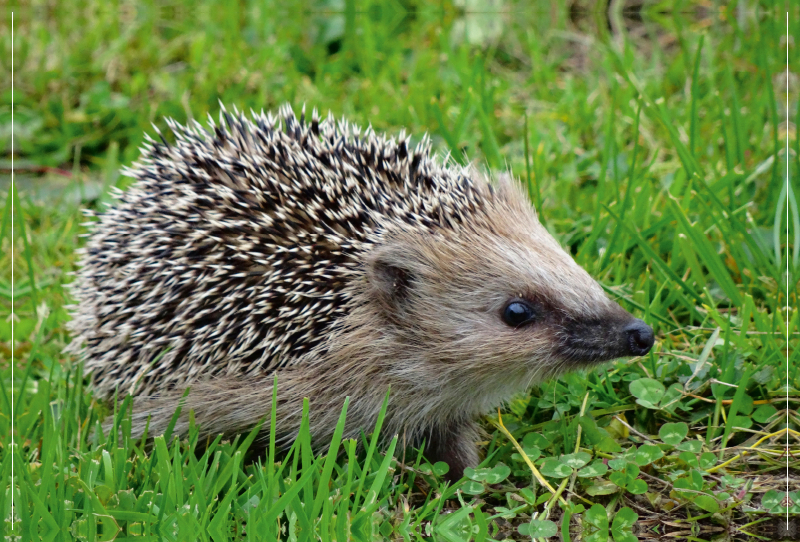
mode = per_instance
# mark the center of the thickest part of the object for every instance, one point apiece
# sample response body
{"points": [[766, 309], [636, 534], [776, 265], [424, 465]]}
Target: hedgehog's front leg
{"points": [[456, 444]]}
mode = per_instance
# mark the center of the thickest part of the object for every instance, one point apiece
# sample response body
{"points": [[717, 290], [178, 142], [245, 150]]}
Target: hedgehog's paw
{"points": [[456, 445]]}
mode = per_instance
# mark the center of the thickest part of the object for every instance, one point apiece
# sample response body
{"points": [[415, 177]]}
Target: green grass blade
{"points": [[176, 415], [626, 202], [656, 259], [708, 255], [371, 500], [26, 250], [373, 443], [695, 98], [6, 214], [282, 503], [330, 460]]}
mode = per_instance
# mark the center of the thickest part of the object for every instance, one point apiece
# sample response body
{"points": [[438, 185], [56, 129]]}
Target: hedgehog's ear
{"points": [[390, 279]]}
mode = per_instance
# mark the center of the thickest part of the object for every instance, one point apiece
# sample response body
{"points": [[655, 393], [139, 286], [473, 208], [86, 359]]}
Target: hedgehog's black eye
{"points": [[518, 312]]}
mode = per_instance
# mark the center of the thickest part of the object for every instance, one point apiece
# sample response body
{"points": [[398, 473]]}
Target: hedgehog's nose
{"points": [[640, 337]]}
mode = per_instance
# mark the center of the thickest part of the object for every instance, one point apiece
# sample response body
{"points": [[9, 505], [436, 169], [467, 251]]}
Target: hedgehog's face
{"points": [[503, 303]]}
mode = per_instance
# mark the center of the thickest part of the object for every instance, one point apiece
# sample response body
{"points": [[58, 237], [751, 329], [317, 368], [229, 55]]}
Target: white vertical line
{"points": [[11, 193], [787, 269]]}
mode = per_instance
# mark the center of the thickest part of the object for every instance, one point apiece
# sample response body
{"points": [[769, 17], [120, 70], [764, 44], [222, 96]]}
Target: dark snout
{"points": [[583, 342], [639, 337]]}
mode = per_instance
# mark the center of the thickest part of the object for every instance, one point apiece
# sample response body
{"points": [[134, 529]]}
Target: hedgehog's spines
{"points": [[262, 201], [315, 120]]}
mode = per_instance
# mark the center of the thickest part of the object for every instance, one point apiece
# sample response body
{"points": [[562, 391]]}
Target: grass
{"points": [[654, 145]]}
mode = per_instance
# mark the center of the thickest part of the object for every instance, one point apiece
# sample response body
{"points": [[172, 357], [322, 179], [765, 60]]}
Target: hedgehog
{"points": [[344, 263]]}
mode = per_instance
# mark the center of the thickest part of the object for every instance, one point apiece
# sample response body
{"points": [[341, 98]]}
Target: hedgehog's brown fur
{"points": [[342, 263]]}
